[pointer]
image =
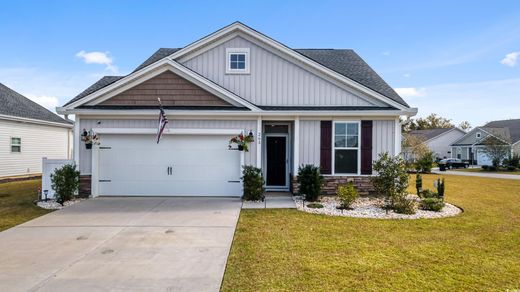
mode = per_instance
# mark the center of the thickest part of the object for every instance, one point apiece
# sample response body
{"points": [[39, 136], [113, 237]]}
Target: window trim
{"points": [[16, 145], [246, 52], [358, 148], [478, 135]]}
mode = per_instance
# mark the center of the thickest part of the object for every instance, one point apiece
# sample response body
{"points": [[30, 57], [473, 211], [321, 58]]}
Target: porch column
{"points": [[397, 137], [75, 145], [259, 142], [296, 146]]}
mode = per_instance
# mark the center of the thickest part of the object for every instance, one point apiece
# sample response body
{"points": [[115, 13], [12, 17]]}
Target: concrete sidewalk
{"points": [[122, 244]]}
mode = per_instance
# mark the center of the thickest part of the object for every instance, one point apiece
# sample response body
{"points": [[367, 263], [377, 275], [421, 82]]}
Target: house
{"points": [[310, 106], [438, 140], [470, 146], [29, 132]]}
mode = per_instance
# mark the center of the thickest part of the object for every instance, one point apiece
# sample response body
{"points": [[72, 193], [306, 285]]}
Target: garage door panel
{"points": [[136, 165]]}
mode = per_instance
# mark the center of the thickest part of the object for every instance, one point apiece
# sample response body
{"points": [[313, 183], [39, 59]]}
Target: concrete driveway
{"points": [[122, 244]]}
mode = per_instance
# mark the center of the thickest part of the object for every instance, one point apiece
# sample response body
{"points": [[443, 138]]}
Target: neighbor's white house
{"points": [[438, 140], [470, 147], [29, 132], [323, 107]]}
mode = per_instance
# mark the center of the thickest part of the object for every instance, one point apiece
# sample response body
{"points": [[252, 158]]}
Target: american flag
{"points": [[163, 121]]}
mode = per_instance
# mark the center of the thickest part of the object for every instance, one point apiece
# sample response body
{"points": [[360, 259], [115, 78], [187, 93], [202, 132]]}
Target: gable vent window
{"points": [[16, 145], [479, 135], [237, 61]]}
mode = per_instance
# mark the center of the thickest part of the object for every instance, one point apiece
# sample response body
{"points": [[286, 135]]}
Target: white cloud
{"points": [[386, 53], [98, 58], [407, 75], [511, 59], [48, 102], [409, 91]]}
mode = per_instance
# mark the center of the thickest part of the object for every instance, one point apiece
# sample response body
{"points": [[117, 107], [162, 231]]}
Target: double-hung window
{"points": [[16, 145], [346, 147], [237, 61]]}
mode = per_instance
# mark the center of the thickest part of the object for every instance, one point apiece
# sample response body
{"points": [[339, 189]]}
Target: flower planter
{"points": [[88, 146]]}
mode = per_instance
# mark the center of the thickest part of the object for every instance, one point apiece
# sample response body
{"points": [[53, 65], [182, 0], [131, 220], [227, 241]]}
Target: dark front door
{"points": [[276, 156]]}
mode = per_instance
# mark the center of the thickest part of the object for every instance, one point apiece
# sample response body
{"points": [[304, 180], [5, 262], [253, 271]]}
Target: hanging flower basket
{"points": [[90, 138], [242, 142]]}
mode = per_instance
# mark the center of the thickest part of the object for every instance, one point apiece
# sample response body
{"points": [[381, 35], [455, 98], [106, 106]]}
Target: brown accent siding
{"points": [[85, 182], [326, 147], [171, 88], [366, 147]]}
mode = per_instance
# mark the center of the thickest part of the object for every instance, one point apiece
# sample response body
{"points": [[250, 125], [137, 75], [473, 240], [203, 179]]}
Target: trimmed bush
{"points": [[403, 205], [418, 184], [65, 183], [428, 194], [492, 168], [511, 168], [485, 167], [311, 181], [253, 183], [440, 187], [347, 194], [432, 204]]}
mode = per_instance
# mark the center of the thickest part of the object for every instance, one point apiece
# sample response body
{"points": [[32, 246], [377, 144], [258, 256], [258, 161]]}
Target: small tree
{"points": [[347, 194], [311, 181], [497, 149], [253, 183], [414, 147], [65, 182], [391, 181], [425, 162]]}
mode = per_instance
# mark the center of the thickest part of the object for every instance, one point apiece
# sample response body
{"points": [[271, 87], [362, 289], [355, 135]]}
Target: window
{"points": [[16, 145], [237, 61], [478, 135], [346, 147]]}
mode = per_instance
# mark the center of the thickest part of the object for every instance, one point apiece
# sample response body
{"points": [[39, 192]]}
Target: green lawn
{"points": [[16, 203], [478, 169], [295, 251]]}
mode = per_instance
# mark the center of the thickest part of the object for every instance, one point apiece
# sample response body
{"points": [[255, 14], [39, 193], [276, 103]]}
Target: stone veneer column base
{"points": [[330, 184], [85, 183]]}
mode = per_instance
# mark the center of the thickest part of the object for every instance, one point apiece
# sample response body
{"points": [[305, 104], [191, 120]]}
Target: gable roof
{"points": [[16, 105], [346, 65], [509, 128], [428, 134], [349, 64]]}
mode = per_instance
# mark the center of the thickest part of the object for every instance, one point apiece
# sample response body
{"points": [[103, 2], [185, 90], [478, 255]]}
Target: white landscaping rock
{"points": [[53, 205], [371, 208]]}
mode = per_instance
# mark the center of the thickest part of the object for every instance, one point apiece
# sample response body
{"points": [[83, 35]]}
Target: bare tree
{"points": [[414, 147], [465, 125], [497, 148]]}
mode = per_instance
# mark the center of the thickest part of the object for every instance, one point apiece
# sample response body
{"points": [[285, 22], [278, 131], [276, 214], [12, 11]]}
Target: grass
{"points": [[289, 250], [478, 169], [16, 203]]}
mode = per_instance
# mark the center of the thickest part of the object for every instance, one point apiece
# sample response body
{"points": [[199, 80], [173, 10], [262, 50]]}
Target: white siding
{"points": [[85, 156], [441, 144], [383, 137], [38, 141], [273, 81], [310, 142]]}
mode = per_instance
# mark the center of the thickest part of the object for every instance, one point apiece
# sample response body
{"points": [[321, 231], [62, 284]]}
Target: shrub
{"points": [[418, 184], [347, 194], [511, 168], [440, 187], [485, 167], [425, 162], [310, 181], [391, 181], [253, 183], [492, 168], [514, 160], [429, 194], [315, 205], [432, 204], [65, 183]]}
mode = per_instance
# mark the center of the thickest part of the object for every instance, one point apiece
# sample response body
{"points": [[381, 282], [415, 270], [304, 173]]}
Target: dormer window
{"points": [[237, 61], [478, 135]]}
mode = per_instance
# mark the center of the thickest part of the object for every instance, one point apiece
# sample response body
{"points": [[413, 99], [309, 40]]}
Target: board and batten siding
{"points": [[310, 142], [38, 141], [383, 137], [85, 155], [273, 80]]}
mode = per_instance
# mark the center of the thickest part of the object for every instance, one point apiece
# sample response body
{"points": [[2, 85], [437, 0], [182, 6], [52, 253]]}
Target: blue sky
{"points": [[460, 59]]}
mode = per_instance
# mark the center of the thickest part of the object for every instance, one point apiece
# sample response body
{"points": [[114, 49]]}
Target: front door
{"points": [[276, 160]]}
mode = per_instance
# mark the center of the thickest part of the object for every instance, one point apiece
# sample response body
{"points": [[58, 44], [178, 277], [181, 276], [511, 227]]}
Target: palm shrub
{"points": [[425, 162], [347, 194], [253, 183], [391, 181], [311, 181], [65, 183]]}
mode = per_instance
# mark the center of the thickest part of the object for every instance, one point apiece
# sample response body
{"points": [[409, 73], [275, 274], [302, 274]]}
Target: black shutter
{"points": [[366, 147], [326, 147]]}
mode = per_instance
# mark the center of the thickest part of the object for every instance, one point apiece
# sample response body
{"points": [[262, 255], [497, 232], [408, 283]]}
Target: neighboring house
{"points": [[312, 106], [29, 132], [438, 140], [471, 146]]}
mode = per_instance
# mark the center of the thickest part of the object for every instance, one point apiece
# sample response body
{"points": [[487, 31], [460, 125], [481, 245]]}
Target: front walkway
{"points": [[122, 244], [477, 174], [273, 200]]}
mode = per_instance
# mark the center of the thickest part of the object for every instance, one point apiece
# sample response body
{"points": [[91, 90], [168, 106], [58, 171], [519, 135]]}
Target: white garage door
{"points": [[483, 158], [180, 165]]}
